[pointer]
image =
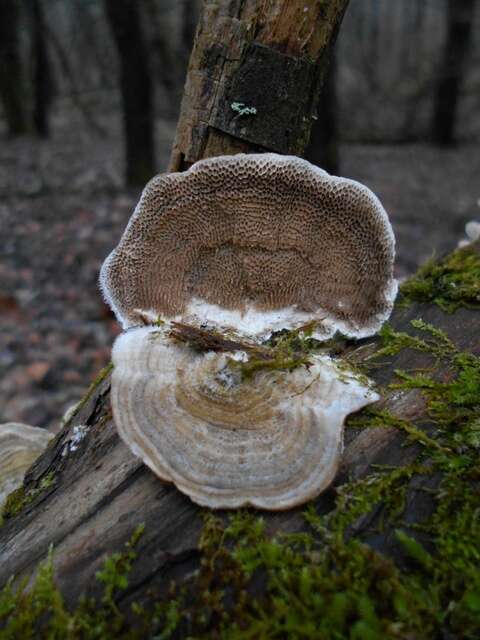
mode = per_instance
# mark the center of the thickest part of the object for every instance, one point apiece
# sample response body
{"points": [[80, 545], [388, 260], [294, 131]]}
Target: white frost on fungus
{"points": [[20, 446], [257, 242], [226, 443]]}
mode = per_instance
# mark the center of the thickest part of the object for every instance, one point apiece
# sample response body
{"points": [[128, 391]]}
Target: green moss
{"points": [[91, 389], [39, 611], [20, 498], [433, 341], [451, 283]]}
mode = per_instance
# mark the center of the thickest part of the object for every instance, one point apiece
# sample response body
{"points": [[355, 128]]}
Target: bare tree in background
{"points": [[42, 73], [11, 70], [323, 146], [460, 15], [189, 25], [136, 87]]}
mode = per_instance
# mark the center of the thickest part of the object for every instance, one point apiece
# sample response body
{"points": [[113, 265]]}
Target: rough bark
{"points": [[12, 90], [460, 15], [269, 56], [136, 89]]}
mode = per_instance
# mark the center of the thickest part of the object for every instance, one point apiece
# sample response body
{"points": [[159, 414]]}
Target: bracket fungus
{"points": [[259, 242], [224, 441], [245, 245], [20, 446]]}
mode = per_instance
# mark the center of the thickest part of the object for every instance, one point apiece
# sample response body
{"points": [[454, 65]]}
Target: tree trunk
{"points": [[322, 149], [269, 57], [12, 90], [136, 89], [42, 74], [460, 14], [189, 19]]}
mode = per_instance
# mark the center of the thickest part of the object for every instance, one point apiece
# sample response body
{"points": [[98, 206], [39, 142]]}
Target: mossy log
{"points": [[98, 494]]}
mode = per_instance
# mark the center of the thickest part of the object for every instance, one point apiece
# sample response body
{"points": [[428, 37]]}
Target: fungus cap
{"points": [[20, 446], [273, 442], [256, 242]]}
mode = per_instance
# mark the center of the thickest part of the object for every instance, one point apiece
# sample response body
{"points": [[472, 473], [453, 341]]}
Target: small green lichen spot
{"points": [[242, 109]]}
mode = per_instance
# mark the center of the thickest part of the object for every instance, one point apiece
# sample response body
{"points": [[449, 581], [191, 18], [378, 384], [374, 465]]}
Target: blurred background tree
{"points": [[12, 88], [404, 71], [136, 88], [460, 16]]}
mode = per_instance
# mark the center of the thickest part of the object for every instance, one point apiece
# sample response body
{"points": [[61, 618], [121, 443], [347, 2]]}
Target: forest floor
{"points": [[63, 208]]}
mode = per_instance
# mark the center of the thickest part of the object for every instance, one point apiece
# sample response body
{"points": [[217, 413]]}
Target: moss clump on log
{"points": [[451, 283], [39, 611], [20, 498]]}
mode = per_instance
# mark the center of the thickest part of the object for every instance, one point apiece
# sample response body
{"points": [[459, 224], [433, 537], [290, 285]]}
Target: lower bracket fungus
{"points": [[213, 261], [273, 441], [20, 446]]}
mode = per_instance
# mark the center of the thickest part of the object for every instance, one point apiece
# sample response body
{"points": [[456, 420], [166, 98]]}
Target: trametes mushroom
{"points": [[258, 242], [225, 441], [20, 446], [242, 246]]}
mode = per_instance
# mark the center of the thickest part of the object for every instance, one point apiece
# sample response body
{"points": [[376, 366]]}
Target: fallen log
{"points": [[88, 500]]}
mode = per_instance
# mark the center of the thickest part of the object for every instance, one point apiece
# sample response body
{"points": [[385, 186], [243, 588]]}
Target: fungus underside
{"points": [[323, 582]]}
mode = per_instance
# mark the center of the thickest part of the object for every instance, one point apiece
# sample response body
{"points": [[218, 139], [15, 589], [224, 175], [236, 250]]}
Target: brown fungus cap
{"points": [[257, 242]]}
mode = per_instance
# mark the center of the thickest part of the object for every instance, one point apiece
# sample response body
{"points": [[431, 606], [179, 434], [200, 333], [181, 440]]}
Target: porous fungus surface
{"points": [[259, 242]]}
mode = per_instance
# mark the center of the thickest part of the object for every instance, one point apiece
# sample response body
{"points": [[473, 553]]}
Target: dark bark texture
{"points": [[322, 149]]}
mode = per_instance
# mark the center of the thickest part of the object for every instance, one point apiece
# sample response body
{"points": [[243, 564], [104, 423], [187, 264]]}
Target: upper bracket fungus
{"points": [[257, 242], [243, 246], [20, 446]]}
